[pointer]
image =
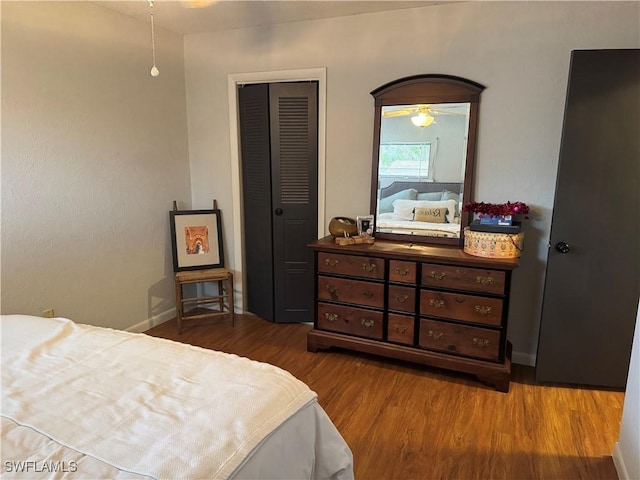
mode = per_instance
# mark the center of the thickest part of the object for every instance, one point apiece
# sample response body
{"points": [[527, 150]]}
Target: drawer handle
{"points": [[400, 328], [484, 280], [369, 267], [482, 309], [367, 322], [436, 303], [437, 276], [460, 299], [331, 288], [435, 334], [403, 272], [401, 298], [481, 342], [332, 317], [368, 294], [331, 262]]}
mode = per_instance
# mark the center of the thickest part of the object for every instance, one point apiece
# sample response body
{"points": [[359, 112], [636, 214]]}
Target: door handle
{"points": [[562, 247], [279, 211]]}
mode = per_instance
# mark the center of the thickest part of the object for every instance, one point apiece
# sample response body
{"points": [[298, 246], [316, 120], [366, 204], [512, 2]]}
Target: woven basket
{"points": [[493, 245]]}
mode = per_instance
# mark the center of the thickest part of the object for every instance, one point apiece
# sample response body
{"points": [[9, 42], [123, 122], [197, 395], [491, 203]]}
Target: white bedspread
{"points": [[392, 223], [147, 406]]}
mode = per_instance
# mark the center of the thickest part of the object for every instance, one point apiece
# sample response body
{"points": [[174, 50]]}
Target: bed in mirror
{"points": [[423, 154]]}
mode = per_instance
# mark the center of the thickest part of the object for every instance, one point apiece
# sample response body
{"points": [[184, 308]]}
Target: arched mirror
{"points": [[424, 141]]}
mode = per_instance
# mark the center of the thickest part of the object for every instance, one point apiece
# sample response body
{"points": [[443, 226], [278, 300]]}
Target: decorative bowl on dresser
{"points": [[433, 305]]}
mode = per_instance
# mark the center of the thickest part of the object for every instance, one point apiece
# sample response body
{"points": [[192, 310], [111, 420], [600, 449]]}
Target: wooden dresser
{"points": [[434, 305]]}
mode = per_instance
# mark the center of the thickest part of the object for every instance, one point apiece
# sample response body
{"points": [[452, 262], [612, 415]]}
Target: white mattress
{"points": [[73, 406]]}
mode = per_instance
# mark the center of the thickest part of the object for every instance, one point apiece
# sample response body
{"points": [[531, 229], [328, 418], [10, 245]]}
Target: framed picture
{"points": [[365, 225], [196, 239]]}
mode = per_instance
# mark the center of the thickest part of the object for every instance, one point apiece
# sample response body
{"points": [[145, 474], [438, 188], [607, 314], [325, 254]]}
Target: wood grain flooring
{"points": [[405, 421]]}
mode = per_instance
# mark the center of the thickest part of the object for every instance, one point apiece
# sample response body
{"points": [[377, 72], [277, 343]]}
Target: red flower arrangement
{"points": [[497, 209]]}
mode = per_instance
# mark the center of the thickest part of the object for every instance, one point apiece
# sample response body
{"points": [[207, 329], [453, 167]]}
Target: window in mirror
{"points": [[404, 161]]}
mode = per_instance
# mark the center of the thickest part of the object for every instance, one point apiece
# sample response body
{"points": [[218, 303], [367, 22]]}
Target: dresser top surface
{"points": [[415, 252]]}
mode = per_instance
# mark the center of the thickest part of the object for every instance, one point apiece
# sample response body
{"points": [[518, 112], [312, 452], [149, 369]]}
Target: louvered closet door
{"points": [[294, 194], [253, 103]]}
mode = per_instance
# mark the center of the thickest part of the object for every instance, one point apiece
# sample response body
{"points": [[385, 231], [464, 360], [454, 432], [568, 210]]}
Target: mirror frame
{"points": [[420, 89]]}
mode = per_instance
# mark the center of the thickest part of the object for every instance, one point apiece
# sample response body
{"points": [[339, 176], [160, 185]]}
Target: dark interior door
{"points": [[593, 269], [278, 128], [294, 176], [255, 133]]}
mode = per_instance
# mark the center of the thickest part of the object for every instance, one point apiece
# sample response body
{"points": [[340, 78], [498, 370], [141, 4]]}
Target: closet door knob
{"points": [[279, 211], [562, 247]]}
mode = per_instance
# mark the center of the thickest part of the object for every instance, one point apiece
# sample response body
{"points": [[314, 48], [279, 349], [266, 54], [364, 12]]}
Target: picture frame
{"points": [[196, 239], [365, 225]]}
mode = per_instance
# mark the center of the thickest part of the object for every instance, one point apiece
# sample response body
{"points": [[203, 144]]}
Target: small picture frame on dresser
{"points": [[365, 225]]}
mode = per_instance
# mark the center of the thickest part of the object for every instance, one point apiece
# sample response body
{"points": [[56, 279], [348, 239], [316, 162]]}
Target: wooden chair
{"points": [[224, 298]]}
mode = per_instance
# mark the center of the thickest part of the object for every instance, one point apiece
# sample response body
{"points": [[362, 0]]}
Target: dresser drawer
{"points": [[463, 278], [468, 308], [402, 299], [462, 339], [402, 272], [351, 265], [400, 329], [351, 320], [351, 291]]}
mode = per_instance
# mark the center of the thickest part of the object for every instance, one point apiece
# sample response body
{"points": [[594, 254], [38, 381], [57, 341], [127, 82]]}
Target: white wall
{"points": [[519, 50], [626, 452], [94, 151]]}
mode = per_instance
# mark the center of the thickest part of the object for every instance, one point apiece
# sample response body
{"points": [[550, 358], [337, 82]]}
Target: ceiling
{"points": [[183, 17]]}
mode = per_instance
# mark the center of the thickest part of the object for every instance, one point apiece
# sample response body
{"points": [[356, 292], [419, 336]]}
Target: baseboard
{"points": [[522, 358], [153, 321], [618, 461]]}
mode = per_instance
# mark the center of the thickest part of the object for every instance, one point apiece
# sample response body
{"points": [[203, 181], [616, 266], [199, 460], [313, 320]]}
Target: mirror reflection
{"points": [[421, 169]]}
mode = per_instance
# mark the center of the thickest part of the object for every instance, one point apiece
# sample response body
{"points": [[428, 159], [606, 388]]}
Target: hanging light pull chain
{"points": [[154, 70]]}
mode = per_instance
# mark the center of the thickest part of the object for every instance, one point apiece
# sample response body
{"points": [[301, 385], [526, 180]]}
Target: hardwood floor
{"points": [[405, 421]]}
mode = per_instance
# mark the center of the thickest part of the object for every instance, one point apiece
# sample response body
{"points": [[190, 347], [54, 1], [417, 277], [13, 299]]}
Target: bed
{"points": [[80, 401], [420, 208]]}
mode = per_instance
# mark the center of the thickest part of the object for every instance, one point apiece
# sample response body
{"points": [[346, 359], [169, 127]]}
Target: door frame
{"points": [[233, 81]]}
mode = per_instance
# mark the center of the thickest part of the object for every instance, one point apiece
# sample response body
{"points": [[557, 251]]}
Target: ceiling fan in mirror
{"points": [[423, 115]]}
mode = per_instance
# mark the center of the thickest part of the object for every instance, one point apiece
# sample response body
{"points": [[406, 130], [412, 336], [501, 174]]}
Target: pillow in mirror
{"points": [[447, 195], [431, 196], [385, 205], [404, 209], [433, 215]]}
